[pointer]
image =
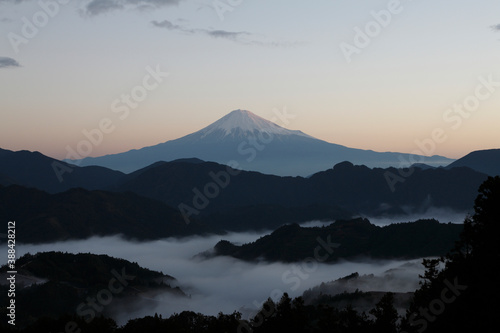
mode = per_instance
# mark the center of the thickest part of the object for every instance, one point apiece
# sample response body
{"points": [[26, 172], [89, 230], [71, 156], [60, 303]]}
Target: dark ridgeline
{"points": [[485, 161], [55, 284], [35, 170], [356, 239], [79, 214], [145, 204], [357, 189], [354, 188]]}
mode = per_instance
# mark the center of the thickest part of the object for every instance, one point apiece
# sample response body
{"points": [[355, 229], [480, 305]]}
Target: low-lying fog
{"points": [[226, 284], [443, 215]]}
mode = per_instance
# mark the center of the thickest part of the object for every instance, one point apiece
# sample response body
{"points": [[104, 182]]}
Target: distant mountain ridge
{"points": [[255, 144], [79, 214], [190, 196], [33, 169], [352, 188], [485, 161], [344, 188]]}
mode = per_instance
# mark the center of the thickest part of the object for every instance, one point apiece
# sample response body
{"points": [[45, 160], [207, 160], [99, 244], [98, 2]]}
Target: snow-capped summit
{"points": [[249, 142], [242, 123]]}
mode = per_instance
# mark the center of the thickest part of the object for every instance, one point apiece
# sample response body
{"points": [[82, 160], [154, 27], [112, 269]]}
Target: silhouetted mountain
{"points": [[5, 180], [359, 188], [206, 188], [351, 239], [217, 195], [255, 144], [33, 169], [78, 214], [485, 161], [178, 182], [422, 166], [51, 284]]}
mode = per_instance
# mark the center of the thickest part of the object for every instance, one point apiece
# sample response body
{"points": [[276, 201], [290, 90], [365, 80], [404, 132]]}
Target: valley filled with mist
{"points": [[227, 284]]}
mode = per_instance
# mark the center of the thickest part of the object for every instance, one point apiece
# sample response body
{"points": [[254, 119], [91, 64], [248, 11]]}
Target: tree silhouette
{"points": [[463, 297], [385, 314]]}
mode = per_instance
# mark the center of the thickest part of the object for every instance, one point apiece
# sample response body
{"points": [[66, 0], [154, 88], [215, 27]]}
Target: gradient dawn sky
{"points": [[381, 75]]}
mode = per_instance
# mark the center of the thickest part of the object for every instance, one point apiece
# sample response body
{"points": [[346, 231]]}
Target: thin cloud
{"points": [[170, 26], [226, 34], [235, 36], [97, 7], [495, 27], [241, 37], [6, 62]]}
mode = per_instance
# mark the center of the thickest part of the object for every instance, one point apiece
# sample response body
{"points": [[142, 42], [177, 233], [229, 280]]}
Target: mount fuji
{"points": [[246, 141]]}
